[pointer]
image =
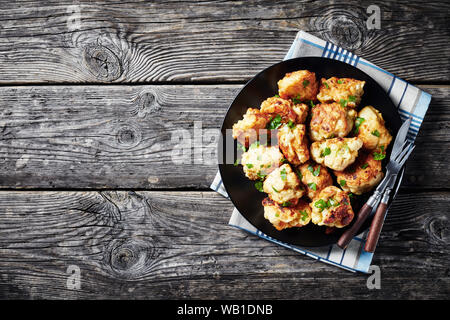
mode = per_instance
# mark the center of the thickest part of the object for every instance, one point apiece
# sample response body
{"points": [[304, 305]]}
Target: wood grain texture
{"points": [[209, 41], [155, 244], [108, 137]]}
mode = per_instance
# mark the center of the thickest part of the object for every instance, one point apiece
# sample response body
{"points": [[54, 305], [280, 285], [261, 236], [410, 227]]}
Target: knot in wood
{"points": [[128, 136], [102, 63], [130, 258], [346, 32], [439, 230], [145, 103]]}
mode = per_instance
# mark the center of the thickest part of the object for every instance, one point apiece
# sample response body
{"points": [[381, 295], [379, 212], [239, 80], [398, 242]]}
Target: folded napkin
{"points": [[410, 101]]}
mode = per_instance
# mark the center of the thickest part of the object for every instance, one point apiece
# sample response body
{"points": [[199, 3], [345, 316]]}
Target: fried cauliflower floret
{"points": [[260, 160], [331, 120], [361, 176], [247, 129], [315, 178], [332, 208], [301, 111], [277, 106], [301, 85], [372, 131], [287, 217], [293, 143], [344, 90], [283, 186], [337, 153]]}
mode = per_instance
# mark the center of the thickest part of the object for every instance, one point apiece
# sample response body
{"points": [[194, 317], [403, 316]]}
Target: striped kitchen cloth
{"points": [[410, 101]]}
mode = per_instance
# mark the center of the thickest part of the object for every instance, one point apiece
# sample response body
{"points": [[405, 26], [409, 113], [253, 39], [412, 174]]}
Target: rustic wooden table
{"points": [[90, 95]]}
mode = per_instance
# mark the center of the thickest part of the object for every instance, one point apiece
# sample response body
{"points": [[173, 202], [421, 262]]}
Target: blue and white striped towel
{"points": [[409, 100]]}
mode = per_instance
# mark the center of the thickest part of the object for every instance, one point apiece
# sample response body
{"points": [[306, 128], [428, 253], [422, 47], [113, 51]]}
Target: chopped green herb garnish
{"points": [[297, 99], [316, 172], [261, 175], [291, 124], [259, 186], [326, 85], [358, 123], [236, 163], [283, 174], [379, 156], [276, 96], [312, 186], [321, 204], [274, 189], [286, 204], [255, 144], [299, 174], [340, 81], [376, 133], [342, 183], [305, 83], [277, 214], [365, 165], [304, 214], [249, 165], [332, 203], [351, 98], [240, 146], [325, 152], [343, 103], [311, 103], [275, 123]]}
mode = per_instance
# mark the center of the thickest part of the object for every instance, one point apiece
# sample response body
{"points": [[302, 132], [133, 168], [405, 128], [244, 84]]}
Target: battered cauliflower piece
{"points": [[283, 186], [361, 176], [301, 110], [275, 105], [346, 91], [332, 208], [287, 217], [331, 120], [293, 143], [301, 85], [261, 160], [247, 129], [337, 153], [315, 178], [371, 130]]}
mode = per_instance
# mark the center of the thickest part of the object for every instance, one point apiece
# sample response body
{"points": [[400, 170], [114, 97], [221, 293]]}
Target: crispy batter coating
{"points": [[283, 186], [301, 85], [287, 217], [332, 208], [247, 129], [372, 130], [261, 160], [315, 177], [362, 175], [343, 90], [294, 143], [301, 110], [330, 121], [337, 153], [275, 105]]}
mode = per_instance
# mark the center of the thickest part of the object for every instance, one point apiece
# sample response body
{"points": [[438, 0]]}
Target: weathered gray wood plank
{"points": [[121, 137], [213, 41], [178, 245]]}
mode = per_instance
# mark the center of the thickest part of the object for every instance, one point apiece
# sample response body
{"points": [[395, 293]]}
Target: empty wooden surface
{"points": [[93, 96]]}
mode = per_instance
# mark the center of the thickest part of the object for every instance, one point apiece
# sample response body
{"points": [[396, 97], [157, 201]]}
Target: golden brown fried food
{"points": [[315, 178], [287, 217], [330, 121], [293, 143], [361, 176], [277, 106], [301, 110], [261, 160], [332, 208], [346, 91], [337, 153], [301, 85], [283, 186], [371, 130], [247, 130]]}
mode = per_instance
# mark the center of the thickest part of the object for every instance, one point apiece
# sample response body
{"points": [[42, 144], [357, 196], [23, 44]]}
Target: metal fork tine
{"points": [[398, 151], [407, 155], [404, 150]]}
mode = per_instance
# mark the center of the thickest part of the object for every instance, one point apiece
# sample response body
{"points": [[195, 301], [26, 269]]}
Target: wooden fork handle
{"points": [[348, 235], [375, 228]]}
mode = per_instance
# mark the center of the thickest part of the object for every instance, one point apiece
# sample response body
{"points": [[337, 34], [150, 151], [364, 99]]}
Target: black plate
{"points": [[242, 191]]}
